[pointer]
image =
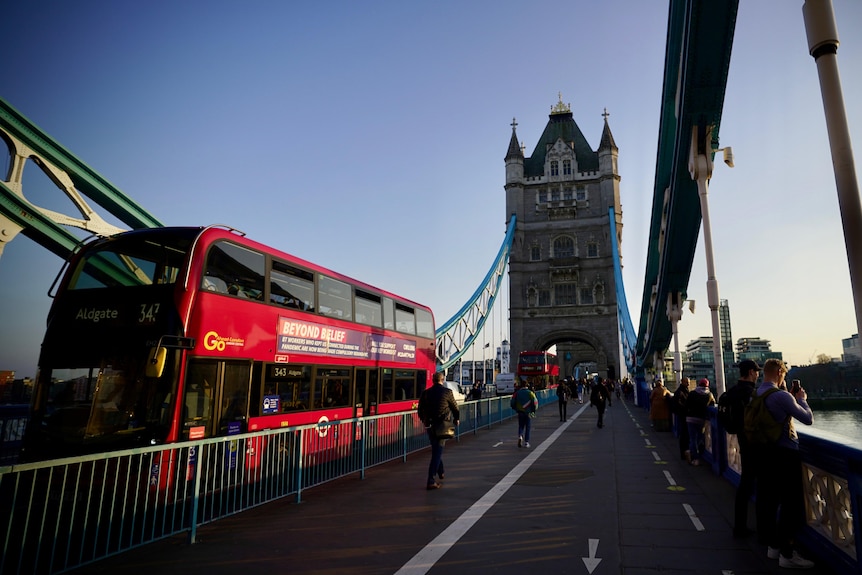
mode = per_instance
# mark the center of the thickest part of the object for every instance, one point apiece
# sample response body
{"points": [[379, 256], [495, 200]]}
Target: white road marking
{"points": [[669, 477], [592, 561], [656, 456], [498, 444], [694, 519], [423, 561]]}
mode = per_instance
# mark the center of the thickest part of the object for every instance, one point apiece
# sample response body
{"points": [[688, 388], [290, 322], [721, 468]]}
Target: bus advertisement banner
{"points": [[313, 338]]}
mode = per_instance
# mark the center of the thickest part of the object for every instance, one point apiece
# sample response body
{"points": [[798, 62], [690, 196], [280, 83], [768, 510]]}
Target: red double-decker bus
{"points": [[538, 368], [170, 334]]}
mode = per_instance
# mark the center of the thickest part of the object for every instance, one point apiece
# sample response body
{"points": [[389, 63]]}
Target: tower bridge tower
{"points": [[561, 271]]}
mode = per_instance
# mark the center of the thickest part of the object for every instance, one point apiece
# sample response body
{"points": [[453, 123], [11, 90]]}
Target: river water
{"points": [[847, 423]]}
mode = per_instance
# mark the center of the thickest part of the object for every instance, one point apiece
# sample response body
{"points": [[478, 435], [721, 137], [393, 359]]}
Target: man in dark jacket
{"points": [[600, 397], [437, 404], [740, 395]]}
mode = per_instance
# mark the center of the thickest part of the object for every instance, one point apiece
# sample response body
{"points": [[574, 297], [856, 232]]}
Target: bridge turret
{"points": [[514, 160], [608, 151]]}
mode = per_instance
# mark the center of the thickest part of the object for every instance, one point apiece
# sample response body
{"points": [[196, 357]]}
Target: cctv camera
{"points": [[728, 157]]}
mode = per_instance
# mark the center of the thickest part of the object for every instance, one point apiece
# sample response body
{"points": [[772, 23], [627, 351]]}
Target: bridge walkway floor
{"points": [[581, 500]]}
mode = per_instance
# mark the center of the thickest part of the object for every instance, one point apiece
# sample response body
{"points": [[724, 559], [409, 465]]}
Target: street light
{"points": [[700, 167]]}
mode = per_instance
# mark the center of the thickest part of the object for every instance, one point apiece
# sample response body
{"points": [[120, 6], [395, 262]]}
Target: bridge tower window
{"points": [[565, 294], [567, 167], [564, 247], [586, 296], [535, 253], [555, 168], [581, 194], [592, 250]]}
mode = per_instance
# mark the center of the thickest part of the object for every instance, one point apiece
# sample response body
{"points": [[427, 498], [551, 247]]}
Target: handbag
{"points": [[444, 429]]}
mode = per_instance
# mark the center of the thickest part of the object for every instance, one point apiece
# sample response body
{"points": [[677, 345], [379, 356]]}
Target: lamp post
{"points": [[700, 168]]}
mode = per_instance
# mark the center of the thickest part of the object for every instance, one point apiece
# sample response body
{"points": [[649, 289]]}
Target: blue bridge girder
{"points": [[697, 60]]}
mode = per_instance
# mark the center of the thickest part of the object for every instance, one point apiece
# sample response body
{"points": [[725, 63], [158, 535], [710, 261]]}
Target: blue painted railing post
{"points": [[299, 468], [197, 491]]}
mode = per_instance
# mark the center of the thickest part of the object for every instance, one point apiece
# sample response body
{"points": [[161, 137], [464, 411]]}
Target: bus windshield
{"points": [[106, 406], [126, 261]]}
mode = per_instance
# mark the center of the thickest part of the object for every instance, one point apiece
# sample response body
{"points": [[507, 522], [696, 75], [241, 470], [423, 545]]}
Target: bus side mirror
{"points": [[156, 362]]}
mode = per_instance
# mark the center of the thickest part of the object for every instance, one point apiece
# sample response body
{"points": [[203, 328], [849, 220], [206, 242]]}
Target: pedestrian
{"points": [[476, 395], [436, 406], [563, 393], [780, 497], [678, 407], [659, 410], [525, 403], [600, 397], [738, 397], [696, 417], [581, 382]]}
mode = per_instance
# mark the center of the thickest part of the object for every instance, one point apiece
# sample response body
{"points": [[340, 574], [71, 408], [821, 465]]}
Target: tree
{"points": [[823, 358]]}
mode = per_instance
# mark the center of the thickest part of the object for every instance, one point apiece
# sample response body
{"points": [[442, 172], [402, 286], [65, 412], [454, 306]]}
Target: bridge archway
{"points": [[577, 348]]}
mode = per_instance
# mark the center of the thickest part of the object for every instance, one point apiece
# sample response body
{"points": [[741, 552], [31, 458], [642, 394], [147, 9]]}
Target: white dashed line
{"points": [[691, 515]]}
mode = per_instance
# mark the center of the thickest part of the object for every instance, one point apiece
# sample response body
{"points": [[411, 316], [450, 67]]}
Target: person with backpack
{"points": [[696, 417], [731, 415], [524, 401], [780, 498]]}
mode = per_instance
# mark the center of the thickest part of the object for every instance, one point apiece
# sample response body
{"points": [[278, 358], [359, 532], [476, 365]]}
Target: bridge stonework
{"points": [[561, 271]]}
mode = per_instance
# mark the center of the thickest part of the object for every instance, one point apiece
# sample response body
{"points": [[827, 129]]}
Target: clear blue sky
{"points": [[369, 138]]}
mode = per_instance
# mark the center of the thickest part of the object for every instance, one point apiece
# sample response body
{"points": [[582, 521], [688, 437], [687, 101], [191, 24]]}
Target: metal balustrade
{"points": [[66, 513]]}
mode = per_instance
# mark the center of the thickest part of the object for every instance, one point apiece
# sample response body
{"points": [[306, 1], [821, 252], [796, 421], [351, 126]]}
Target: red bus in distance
{"points": [[538, 368], [171, 334]]}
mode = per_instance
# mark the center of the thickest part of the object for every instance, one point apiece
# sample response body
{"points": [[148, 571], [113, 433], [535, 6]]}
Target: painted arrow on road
{"points": [[592, 561]]}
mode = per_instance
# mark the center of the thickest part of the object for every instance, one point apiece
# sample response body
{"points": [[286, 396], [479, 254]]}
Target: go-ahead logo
{"points": [[214, 342]]}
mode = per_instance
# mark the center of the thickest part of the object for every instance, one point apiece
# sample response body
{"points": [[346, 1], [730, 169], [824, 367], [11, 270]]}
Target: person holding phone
{"points": [[780, 499]]}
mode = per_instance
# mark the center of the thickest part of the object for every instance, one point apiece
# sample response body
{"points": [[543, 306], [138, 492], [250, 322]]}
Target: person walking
{"points": [[600, 397], [659, 410], [679, 398], [437, 405], [524, 401], [581, 390], [739, 395], [780, 497], [563, 393], [696, 417]]}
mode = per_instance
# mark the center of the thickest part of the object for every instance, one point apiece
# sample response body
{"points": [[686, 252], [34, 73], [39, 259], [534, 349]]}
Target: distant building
{"points": [[699, 360], [756, 349], [852, 349]]}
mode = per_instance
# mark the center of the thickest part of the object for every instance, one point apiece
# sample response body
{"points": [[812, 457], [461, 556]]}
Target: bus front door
{"points": [[367, 390]]}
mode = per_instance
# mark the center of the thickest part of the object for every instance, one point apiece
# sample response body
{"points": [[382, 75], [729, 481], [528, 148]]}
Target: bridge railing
{"points": [[13, 421], [832, 480], [67, 513]]}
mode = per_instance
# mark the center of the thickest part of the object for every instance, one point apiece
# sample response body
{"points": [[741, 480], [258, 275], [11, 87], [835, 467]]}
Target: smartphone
{"points": [[794, 387]]}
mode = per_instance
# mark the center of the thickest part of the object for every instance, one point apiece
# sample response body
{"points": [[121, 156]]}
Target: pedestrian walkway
{"points": [[581, 500]]}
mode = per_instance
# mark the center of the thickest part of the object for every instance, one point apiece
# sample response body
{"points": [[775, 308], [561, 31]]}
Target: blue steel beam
{"points": [[697, 60], [628, 338], [457, 335]]}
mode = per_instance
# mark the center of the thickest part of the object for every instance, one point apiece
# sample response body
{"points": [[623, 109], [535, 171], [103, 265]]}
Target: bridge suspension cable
{"points": [[458, 334]]}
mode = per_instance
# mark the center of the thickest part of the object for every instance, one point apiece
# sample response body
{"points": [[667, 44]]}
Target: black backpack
{"points": [[731, 409]]}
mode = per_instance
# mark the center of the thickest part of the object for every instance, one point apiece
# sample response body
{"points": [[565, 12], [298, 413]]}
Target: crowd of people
{"points": [[770, 462]]}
